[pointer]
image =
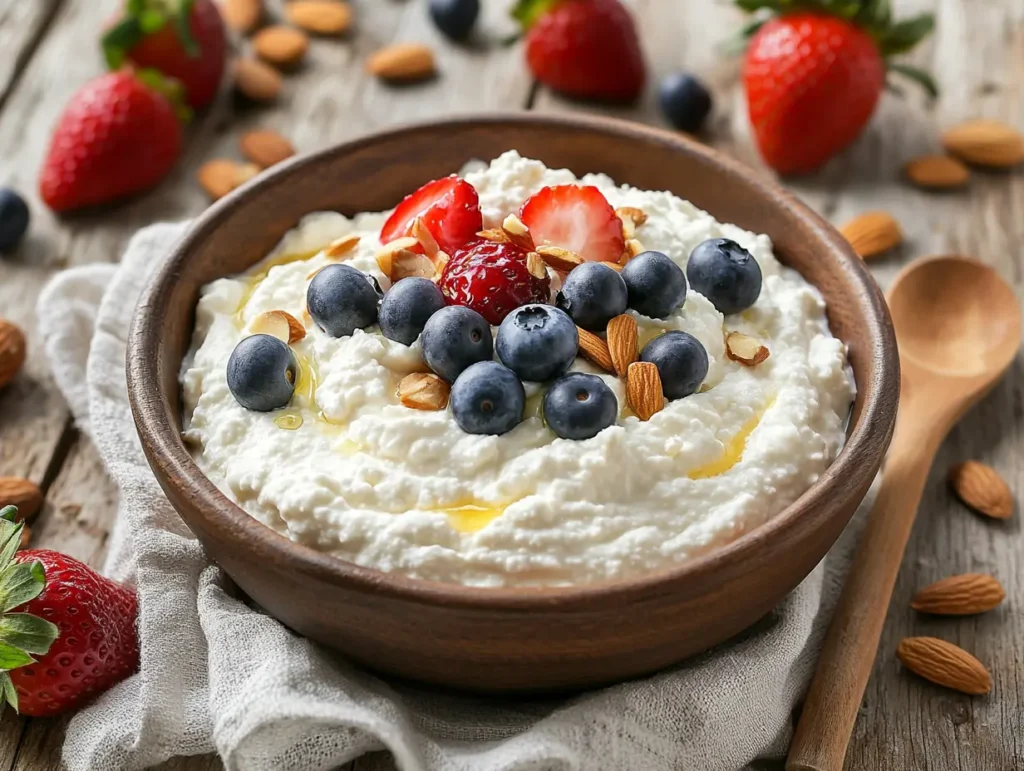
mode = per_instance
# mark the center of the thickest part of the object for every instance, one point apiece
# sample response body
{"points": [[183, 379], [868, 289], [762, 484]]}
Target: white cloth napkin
{"points": [[220, 676]]}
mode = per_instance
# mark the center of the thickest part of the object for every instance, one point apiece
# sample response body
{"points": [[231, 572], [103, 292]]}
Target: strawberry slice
{"points": [[575, 217], [449, 207]]}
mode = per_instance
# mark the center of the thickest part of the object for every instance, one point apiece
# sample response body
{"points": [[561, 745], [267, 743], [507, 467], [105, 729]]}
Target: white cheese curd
{"points": [[346, 469]]}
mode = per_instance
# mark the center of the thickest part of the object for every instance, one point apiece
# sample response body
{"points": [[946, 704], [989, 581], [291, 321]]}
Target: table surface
{"points": [[977, 55]]}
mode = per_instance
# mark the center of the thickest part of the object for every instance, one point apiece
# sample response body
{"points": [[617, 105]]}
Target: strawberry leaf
{"points": [[904, 35], [19, 583], [528, 12], [7, 692], [12, 658], [27, 632], [8, 513], [920, 77]]}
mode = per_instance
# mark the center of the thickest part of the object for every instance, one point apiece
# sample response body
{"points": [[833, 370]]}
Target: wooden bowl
{"points": [[523, 639]]}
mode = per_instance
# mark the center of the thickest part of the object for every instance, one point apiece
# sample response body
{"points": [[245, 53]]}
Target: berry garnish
{"points": [[681, 360], [537, 342], [14, 218], [488, 398], [579, 406], [454, 338], [575, 217], [725, 273], [261, 373], [448, 207], [656, 285], [341, 300], [685, 101], [493, 279], [593, 294], [407, 307], [455, 18]]}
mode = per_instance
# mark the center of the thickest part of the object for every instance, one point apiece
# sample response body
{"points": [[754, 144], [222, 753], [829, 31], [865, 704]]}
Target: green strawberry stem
{"points": [[142, 18], [526, 12], [22, 635]]}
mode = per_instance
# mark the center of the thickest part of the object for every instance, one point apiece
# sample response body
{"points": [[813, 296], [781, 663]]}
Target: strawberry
{"points": [[66, 632], [449, 208], [575, 217], [118, 135], [492, 279], [587, 49], [814, 76], [182, 39]]}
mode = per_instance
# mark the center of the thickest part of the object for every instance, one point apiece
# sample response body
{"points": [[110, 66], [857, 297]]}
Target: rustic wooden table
{"points": [[977, 55]]}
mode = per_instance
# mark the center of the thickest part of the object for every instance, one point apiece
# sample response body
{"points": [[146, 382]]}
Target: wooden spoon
{"points": [[958, 328]]}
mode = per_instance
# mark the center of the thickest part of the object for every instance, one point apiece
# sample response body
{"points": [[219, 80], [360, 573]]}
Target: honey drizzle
{"points": [[733, 452]]}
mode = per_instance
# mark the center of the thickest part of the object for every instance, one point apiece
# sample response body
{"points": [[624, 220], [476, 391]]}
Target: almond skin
{"points": [[595, 350], [424, 391], [872, 233], [985, 143], [962, 595], [280, 45], [559, 259], [944, 664], [12, 351], [402, 62], [242, 15], [256, 80], [220, 176], [643, 389], [937, 172], [622, 342], [982, 489], [341, 246], [518, 233], [280, 324], [26, 495], [321, 17], [265, 148], [745, 349]]}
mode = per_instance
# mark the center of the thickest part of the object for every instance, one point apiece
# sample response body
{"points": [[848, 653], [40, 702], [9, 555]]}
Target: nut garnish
{"points": [[961, 595], [872, 233], [440, 261], [980, 487], [424, 391], [426, 239], [616, 266], [321, 17], [633, 248], [220, 176], [622, 342], [242, 15], [280, 45], [937, 172], [643, 389], [265, 148], [12, 351], [536, 266], [402, 62], [518, 233], [944, 664], [280, 324], [406, 264], [23, 493], [386, 256], [985, 143], [745, 349], [341, 246], [496, 235], [595, 350], [558, 258], [256, 80], [632, 218]]}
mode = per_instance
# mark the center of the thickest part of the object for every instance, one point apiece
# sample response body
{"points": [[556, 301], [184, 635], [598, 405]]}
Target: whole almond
{"points": [[558, 258], [985, 143], [622, 342], [280, 45], [220, 176], [643, 389], [945, 664], [595, 350], [745, 349], [26, 495], [265, 148], [424, 391], [937, 172], [402, 62], [980, 487], [12, 351], [962, 595], [256, 80], [872, 233], [321, 17], [280, 324], [242, 15]]}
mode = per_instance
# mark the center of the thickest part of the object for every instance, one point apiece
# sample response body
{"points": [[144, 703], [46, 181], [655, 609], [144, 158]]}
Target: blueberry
{"points": [[685, 101], [725, 273], [13, 219], [488, 398], [579, 406], [681, 360], [407, 307], [261, 373], [537, 342], [656, 285], [341, 300], [593, 294], [454, 338], [455, 18]]}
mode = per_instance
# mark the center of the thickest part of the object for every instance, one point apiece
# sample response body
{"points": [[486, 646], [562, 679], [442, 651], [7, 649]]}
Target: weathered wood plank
{"points": [[22, 26]]}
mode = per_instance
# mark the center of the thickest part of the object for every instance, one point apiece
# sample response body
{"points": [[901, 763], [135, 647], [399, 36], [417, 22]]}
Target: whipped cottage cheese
{"points": [[346, 469]]}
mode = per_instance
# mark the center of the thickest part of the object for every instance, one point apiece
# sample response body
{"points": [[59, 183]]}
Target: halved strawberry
{"points": [[449, 207], [575, 217]]}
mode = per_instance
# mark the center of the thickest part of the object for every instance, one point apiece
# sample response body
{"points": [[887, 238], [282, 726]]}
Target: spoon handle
{"points": [[830, 710]]}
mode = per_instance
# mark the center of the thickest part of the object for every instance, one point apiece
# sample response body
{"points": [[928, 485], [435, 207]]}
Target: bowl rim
{"points": [[175, 467]]}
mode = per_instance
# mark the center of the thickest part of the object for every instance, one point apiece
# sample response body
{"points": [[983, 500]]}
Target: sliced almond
{"points": [[937, 172], [281, 46], [321, 17], [386, 255], [872, 233], [633, 248], [595, 350], [623, 335], [495, 235], [242, 15], [402, 62], [518, 233], [637, 216], [616, 266], [341, 246], [424, 391], [643, 389], [23, 493], [265, 148], [558, 258], [406, 264], [745, 349], [426, 239], [962, 595], [985, 143], [256, 80], [980, 487], [220, 176], [536, 265], [280, 324], [12, 351], [440, 261], [944, 664]]}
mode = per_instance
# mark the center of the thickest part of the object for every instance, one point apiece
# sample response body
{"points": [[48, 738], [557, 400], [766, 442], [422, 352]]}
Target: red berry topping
{"points": [[575, 217], [492, 279], [449, 207]]}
